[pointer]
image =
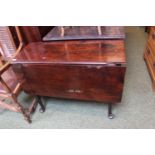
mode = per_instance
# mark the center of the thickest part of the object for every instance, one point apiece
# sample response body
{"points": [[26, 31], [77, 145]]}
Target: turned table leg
{"points": [[110, 114], [21, 109], [42, 106]]}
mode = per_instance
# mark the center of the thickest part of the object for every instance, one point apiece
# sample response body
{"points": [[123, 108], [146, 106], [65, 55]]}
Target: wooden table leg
{"points": [[110, 114], [42, 106], [33, 106]]}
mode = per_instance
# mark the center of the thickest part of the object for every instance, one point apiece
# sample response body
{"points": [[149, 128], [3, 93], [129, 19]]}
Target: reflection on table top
{"points": [[76, 52]]}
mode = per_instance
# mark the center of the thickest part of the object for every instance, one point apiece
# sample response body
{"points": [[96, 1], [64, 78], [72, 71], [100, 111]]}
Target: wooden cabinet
{"points": [[149, 55]]}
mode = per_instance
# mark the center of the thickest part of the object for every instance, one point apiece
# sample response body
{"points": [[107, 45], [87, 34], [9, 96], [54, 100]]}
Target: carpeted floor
{"points": [[137, 109]]}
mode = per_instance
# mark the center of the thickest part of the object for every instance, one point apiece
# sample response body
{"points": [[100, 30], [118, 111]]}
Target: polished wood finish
{"points": [[73, 52], [75, 82], [34, 33], [30, 34], [85, 32], [85, 70]]}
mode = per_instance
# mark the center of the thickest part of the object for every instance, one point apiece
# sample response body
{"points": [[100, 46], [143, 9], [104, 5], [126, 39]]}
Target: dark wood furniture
{"points": [[34, 33], [91, 70], [149, 54]]}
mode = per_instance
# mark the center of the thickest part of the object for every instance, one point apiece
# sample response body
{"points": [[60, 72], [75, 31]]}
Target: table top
{"points": [[85, 32], [73, 52]]}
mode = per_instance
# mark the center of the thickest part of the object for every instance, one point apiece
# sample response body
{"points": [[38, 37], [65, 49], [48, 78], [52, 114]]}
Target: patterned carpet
{"points": [[135, 111]]}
